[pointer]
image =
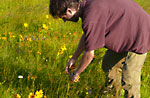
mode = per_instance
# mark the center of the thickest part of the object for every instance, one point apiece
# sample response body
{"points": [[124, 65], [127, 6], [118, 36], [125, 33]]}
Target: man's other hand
{"points": [[70, 65]]}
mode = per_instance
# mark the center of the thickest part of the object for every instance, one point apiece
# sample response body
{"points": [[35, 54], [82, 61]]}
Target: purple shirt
{"points": [[119, 25]]}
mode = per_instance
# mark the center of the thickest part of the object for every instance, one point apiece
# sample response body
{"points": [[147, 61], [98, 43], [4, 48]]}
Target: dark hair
{"points": [[59, 7]]}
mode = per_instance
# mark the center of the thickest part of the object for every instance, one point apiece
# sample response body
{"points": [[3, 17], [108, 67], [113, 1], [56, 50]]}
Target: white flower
{"points": [[20, 77]]}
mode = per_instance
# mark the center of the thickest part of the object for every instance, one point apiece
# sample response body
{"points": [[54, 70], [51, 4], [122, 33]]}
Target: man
{"points": [[121, 26]]}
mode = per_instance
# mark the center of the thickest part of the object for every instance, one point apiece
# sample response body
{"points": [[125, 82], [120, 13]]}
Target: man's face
{"points": [[70, 15]]}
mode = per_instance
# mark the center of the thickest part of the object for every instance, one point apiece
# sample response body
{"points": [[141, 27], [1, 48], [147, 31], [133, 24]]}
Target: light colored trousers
{"points": [[123, 70]]}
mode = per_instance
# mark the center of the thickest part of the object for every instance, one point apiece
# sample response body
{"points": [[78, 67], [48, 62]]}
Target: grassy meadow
{"points": [[34, 50]]}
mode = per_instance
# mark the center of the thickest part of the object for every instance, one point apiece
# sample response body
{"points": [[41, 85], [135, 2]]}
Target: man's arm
{"points": [[79, 50], [85, 61]]}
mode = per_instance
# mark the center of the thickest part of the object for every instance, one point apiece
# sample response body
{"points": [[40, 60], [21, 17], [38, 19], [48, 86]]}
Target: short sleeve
{"points": [[94, 35], [94, 19]]}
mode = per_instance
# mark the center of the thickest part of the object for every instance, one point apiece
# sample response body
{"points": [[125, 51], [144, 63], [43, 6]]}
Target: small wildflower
{"points": [[62, 49], [4, 38], [29, 39], [39, 53], [17, 96], [90, 92], [39, 94], [33, 77], [45, 97], [45, 26], [25, 25], [31, 95], [49, 23], [87, 93], [20, 77], [47, 16], [59, 53], [70, 56], [12, 36], [21, 37], [10, 33]]}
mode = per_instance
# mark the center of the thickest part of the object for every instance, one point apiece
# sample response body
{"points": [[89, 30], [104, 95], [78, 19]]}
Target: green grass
{"points": [[36, 58]]}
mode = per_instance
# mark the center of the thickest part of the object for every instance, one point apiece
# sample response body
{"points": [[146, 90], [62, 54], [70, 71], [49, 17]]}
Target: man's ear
{"points": [[69, 11]]}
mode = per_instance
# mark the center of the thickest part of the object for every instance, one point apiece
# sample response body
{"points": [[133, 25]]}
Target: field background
{"points": [[37, 47]]}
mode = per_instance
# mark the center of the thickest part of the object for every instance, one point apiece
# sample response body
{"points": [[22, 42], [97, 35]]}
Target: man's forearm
{"points": [[81, 47], [85, 61]]}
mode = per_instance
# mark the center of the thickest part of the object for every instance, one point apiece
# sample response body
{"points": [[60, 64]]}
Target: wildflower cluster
{"points": [[7, 35], [88, 91], [37, 94], [61, 50]]}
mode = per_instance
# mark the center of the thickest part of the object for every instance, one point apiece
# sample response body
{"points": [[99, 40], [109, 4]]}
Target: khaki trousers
{"points": [[123, 70]]}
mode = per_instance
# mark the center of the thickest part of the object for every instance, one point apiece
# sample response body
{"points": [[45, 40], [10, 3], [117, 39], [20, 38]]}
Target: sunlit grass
{"points": [[36, 48]]}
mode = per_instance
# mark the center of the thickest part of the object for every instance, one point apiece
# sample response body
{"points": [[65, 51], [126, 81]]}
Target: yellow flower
{"points": [[29, 39], [61, 50], [49, 23], [21, 37], [87, 93], [10, 33], [45, 97], [12, 36], [47, 16], [45, 26], [25, 25], [39, 52], [70, 56], [4, 38], [31, 95], [39, 94], [17, 96], [64, 47]]}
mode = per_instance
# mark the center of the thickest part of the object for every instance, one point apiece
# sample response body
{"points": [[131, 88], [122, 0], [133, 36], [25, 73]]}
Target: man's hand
{"points": [[70, 65], [74, 77]]}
